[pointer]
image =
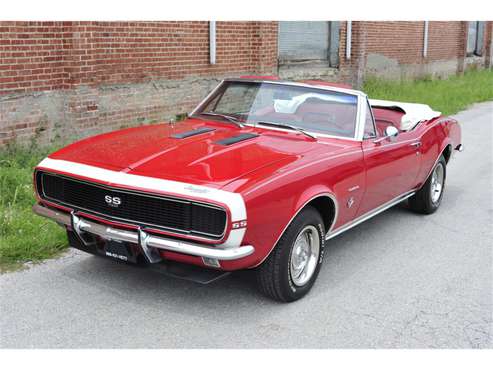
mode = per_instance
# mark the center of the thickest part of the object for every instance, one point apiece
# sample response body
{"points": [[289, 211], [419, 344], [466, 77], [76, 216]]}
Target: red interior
{"points": [[387, 117]]}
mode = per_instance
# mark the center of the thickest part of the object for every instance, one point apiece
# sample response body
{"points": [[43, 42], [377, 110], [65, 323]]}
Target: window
{"points": [[270, 104], [305, 41], [369, 123], [475, 38]]}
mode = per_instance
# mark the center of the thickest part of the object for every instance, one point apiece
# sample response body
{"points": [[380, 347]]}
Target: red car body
{"points": [[274, 175]]}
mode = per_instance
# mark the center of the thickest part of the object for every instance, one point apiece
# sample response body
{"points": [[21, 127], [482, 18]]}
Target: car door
{"points": [[391, 164]]}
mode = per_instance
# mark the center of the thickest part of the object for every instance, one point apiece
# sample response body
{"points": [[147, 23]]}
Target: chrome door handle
{"points": [[417, 144]]}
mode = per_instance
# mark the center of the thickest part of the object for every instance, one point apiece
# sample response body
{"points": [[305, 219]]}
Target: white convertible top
{"points": [[414, 113]]}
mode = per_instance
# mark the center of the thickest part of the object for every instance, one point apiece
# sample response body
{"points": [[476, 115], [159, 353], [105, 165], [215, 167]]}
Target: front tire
{"points": [[428, 198], [293, 266]]}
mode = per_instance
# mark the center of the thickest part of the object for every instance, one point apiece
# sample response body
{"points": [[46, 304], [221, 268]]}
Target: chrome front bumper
{"points": [[146, 241]]}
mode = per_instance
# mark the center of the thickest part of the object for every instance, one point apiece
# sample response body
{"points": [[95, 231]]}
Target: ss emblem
{"points": [[112, 201]]}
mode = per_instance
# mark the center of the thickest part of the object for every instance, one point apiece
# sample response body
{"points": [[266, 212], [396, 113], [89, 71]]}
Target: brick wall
{"points": [[446, 40], [98, 76], [73, 79], [399, 41], [32, 56], [40, 56], [395, 49]]}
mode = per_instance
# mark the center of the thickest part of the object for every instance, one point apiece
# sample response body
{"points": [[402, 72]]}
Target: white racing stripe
{"points": [[234, 201]]}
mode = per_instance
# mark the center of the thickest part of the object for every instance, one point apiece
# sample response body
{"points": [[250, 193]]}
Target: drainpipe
{"points": [[212, 42], [425, 41], [348, 40]]}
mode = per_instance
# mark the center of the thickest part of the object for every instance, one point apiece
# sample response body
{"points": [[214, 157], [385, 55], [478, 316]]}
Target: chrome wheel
{"points": [[304, 255], [437, 183]]}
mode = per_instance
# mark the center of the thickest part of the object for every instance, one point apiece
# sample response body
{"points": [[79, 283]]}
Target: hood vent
{"points": [[198, 131], [236, 139]]}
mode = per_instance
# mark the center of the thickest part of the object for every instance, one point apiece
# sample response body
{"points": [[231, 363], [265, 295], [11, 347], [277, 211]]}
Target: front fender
{"points": [[315, 192], [270, 213]]}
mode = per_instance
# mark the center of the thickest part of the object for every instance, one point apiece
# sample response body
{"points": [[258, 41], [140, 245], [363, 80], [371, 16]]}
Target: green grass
{"points": [[448, 96], [24, 236]]}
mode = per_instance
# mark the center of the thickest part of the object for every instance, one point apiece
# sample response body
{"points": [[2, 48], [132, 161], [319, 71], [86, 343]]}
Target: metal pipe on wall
{"points": [[348, 39], [425, 40], [212, 42]]}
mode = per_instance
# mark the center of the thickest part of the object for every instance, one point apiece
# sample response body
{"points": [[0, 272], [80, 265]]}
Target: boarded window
{"points": [[303, 40]]}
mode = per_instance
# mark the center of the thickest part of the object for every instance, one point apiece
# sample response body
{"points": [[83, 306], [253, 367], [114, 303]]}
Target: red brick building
{"points": [[72, 79]]}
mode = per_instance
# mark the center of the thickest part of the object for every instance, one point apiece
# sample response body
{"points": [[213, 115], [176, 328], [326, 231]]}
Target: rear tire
{"points": [[428, 198], [291, 269]]}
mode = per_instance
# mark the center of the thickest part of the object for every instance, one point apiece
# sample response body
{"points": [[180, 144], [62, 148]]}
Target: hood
{"points": [[161, 151]]}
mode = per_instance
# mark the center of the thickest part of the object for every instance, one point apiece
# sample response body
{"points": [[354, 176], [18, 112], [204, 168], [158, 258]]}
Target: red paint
{"points": [[277, 173]]}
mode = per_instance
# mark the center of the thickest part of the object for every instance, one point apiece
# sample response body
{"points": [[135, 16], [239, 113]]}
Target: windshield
{"points": [[310, 109]]}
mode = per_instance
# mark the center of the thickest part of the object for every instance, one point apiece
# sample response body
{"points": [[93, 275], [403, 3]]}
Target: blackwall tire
{"points": [[428, 199], [291, 269]]}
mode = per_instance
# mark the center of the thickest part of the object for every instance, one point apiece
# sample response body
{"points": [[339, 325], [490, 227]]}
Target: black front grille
{"points": [[171, 214]]}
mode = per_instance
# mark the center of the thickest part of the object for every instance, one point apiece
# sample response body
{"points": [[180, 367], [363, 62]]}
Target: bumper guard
{"points": [[147, 241]]}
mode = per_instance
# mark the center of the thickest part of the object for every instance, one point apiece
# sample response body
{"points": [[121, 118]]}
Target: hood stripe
{"points": [[234, 201]]}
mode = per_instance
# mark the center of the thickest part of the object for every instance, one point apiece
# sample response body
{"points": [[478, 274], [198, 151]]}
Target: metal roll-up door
{"points": [[303, 40], [471, 37], [480, 39]]}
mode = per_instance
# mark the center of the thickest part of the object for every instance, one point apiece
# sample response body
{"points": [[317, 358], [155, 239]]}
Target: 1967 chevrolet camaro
{"points": [[261, 175]]}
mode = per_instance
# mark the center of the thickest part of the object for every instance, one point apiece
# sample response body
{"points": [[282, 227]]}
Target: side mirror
{"points": [[390, 133]]}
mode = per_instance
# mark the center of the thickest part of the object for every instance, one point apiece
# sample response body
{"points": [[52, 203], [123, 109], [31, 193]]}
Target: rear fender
{"points": [[443, 134]]}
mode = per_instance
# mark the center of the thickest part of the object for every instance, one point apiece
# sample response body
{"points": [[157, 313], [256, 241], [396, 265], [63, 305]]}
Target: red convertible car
{"points": [[261, 175]]}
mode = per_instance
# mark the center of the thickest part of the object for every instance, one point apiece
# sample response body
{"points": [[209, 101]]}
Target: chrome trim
{"points": [[151, 254], [359, 130], [212, 237], [304, 256], [369, 215], [368, 105], [203, 101], [300, 84], [151, 241]]}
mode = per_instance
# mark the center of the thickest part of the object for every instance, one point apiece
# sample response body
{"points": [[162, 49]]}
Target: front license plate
{"points": [[119, 250]]}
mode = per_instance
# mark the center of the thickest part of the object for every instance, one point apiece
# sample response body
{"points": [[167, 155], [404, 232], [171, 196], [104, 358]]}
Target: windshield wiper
{"points": [[225, 116], [288, 126]]}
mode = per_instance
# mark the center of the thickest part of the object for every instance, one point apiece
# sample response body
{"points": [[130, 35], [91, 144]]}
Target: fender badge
{"points": [[350, 202]]}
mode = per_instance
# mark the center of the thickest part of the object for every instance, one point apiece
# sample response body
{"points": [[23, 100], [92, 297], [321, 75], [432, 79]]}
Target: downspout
{"points": [[212, 42], [348, 40], [425, 41]]}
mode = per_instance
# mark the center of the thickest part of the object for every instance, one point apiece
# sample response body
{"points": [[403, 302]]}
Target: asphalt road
{"points": [[398, 280]]}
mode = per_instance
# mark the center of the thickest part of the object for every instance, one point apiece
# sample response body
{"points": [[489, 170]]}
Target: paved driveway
{"points": [[398, 280]]}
